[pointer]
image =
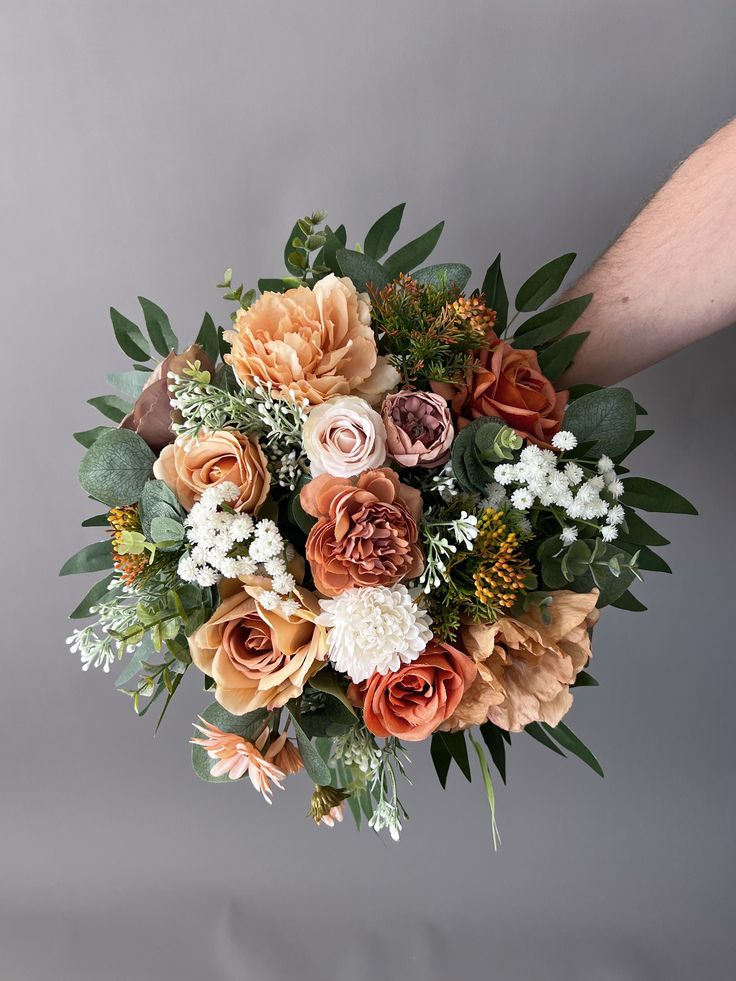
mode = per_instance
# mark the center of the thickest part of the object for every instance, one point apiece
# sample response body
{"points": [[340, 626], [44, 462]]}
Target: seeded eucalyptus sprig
{"points": [[307, 237]]}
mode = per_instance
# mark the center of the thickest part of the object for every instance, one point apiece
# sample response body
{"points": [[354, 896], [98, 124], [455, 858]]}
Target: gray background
{"points": [[147, 146]]}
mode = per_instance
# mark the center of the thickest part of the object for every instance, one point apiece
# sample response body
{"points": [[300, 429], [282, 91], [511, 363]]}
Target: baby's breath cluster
{"points": [[226, 544], [571, 491], [442, 539]]}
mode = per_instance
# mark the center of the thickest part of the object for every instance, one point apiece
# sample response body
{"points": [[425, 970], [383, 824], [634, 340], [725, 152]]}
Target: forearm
{"points": [[670, 279]]}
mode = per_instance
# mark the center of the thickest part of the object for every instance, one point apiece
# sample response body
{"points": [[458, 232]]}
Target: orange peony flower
{"points": [[509, 384], [526, 666], [314, 343], [414, 701], [366, 533], [190, 467], [258, 658]]}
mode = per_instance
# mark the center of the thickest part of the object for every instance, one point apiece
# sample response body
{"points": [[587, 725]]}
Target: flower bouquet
{"points": [[366, 517]]}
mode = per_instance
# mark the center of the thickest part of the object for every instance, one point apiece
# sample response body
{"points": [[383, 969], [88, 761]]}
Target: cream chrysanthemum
{"points": [[374, 629]]}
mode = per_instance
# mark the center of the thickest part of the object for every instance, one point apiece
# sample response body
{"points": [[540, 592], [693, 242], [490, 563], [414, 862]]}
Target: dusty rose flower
{"points": [[344, 436], [419, 428], [509, 384], [152, 415], [366, 533], [258, 658], [315, 343], [526, 667], [414, 701], [227, 456]]}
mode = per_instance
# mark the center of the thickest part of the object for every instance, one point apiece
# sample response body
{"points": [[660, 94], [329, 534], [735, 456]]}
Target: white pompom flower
{"points": [[374, 629]]}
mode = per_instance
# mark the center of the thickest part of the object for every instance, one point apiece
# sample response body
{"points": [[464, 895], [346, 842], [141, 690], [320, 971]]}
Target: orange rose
{"points": [[314, 343], [508, 383], [366, 533], [189, 468], [414, 701], [258, 658]]}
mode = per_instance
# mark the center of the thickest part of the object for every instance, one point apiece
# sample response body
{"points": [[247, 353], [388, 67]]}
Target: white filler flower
{"points": [[375, 628]]}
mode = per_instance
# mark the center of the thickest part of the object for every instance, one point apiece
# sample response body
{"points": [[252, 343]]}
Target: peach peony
{"points": [[509, 384], [257, 657], [190, 467], [526, 667], [414, 701], [314, 343], [366, 533]]}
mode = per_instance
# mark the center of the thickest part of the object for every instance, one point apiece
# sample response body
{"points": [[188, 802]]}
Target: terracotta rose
{"points": [[366, 533], [509, 384], [189, 468], [414, 701], [257, 657], [152, 415], [526, 666], [315, 343]]}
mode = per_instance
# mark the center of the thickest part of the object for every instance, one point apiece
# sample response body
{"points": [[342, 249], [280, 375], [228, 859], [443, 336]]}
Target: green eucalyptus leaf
{"points": [[381, 234], [143, 652], [544, 283], [129, 337], [606, 417], [111, 407], [315, 766], [166, 530], [361, 269], [273, 286], [130, 383], [293, 268], [88, 436], [412, 254], [444, 274], [92, 558], [327, 681], [494, 291], [115, 468], [207, 338], [158, 501], [158, 326]]}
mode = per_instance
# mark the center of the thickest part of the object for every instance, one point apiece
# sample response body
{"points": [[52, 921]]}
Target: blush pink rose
{"points": [[343, 437]]}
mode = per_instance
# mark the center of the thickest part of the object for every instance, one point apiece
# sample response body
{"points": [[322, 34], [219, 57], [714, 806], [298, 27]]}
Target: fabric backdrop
{"points": [[147, 146]]}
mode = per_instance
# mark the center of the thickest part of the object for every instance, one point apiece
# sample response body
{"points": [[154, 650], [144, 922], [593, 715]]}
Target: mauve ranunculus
{"points": [[258, 658], [152, 415], [225, 456], [509, 384], [419, 428], [366, 533], [344, 436], [414, 701]]}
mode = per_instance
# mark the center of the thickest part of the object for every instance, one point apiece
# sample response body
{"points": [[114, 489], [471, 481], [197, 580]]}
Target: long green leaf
{"points": [[496, 746], [96, 521], [537, 732], [363, 270], [494, 292], [129, 337], [544, 283], [207, 338], [130, 383], [441, 758], [627, 601], [315, 766], [458, 750], [549, 324], [649, 495], [92, 558], [606, 418], [413, 254], [637, 530], [100, 589], [557, 358], [573, 744], [158, 326], [381, 234], [488, 784]]}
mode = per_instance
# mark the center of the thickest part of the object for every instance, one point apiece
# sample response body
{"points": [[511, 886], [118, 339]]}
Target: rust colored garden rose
{"points": [[314, 343], [366, 533], [526, 666], [258, 658], [190, 467], [419, 428], [414, 701], [509, 384], [152, 415]]}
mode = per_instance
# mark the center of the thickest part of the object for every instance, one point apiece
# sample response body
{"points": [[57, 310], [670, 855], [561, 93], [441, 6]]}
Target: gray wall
{"points": [[147, 146]]}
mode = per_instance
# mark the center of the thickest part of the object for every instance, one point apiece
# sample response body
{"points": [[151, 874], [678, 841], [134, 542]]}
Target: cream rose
{"points": [[344, 437]]}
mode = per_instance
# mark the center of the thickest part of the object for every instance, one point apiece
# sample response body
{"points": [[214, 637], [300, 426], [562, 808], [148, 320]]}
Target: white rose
{"points": [[344, 437]]}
